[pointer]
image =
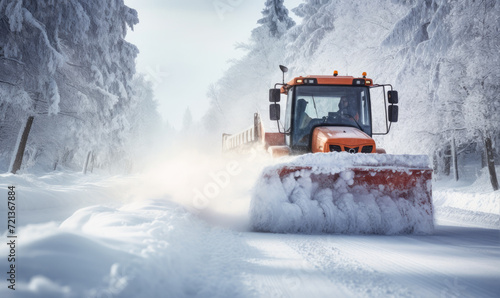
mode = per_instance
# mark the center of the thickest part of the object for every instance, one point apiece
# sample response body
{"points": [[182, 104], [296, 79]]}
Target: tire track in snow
{"points": [[282, 272], [386, 263], [333, 261], [426, 265]]}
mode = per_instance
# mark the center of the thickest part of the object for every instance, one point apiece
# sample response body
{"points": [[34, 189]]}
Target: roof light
{"points": [[364, 74], [368, 82], [335, 73], [310, 81], [299, 81]]}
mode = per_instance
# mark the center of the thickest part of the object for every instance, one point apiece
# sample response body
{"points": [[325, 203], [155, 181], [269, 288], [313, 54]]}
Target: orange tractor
{"points": [[336, 179]]}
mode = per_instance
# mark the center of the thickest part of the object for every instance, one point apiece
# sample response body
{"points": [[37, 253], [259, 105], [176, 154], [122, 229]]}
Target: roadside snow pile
{"points": [[476, 204], [110, 236], [150, 248], [301, 201], [60, 193]]}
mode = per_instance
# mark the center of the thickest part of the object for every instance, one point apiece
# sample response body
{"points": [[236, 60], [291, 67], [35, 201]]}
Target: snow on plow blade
{"points": [[345, 193]]}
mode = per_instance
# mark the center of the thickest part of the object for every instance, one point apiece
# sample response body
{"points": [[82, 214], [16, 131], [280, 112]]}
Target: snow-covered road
{"points": [[454, 262], [81, 236]]}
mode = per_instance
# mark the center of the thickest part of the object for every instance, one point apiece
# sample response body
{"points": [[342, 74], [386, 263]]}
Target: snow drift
{"points": [[297, 202], [148, 248]]}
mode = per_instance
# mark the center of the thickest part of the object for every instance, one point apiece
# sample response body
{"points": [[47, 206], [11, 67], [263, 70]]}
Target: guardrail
{"points": [[249, 136]]}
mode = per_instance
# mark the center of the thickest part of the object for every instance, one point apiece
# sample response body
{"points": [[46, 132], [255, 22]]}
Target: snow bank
{"points": [[151, 248], [298, 203], [116, 236], [57, 195], [475, 204], [486, 201]]}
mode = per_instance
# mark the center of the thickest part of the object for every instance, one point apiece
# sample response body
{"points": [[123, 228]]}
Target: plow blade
{"points": [[345, 193]]}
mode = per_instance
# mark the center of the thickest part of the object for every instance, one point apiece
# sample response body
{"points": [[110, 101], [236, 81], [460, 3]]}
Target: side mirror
{"points": [[274, 95], [274, 111], [393, 113], [392, 95], [283, 70]]}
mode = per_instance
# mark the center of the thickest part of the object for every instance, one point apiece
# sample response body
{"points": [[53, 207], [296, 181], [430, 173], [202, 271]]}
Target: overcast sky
{"points": [[186, 45]]}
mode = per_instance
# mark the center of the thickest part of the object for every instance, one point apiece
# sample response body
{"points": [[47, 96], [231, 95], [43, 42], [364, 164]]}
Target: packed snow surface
{"points": [[296, 202]]}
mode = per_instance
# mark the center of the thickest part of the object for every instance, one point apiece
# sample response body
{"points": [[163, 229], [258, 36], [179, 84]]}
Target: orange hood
{"points": [[341, 138]]}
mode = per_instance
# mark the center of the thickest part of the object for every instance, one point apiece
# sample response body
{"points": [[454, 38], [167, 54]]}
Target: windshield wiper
{"points": [[314, 103], [354, 119]]}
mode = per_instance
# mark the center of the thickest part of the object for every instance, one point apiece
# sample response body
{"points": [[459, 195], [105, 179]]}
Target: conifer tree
{"points": [[66, 67], [275, 18]]}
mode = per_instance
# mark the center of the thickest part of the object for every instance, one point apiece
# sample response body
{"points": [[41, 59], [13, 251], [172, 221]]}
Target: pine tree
{"points": [[318, 19], [187, 120], [65, 67], [275, 18]]}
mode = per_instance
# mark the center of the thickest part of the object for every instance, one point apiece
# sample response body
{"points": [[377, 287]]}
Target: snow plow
{"points": [[335, 179]]}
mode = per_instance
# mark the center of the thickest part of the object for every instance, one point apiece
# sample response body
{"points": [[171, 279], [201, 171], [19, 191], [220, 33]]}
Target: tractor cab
{"points": [[329, 113]]}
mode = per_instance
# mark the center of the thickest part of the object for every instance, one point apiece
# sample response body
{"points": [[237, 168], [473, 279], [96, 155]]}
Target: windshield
{"points": [[329, 105]]}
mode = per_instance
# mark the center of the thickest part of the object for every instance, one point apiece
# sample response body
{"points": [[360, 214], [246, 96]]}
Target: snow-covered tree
{"points": [[317, 20], [146, 134], [479, 41], [275, 18], [68, 71], [420, 43], [447, 52], [187, 120], [243, 89]]}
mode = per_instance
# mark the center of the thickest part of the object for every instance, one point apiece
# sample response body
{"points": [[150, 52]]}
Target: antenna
{"points": [[283, 69]]}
